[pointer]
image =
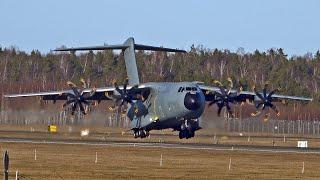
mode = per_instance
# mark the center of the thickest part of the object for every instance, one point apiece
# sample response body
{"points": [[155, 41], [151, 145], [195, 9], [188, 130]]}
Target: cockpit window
{"points": [[188, 88]]}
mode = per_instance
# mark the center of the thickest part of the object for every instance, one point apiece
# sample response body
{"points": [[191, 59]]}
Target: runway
{"points": [[190, 146]]}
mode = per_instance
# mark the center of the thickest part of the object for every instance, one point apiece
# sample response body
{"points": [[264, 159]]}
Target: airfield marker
{"points": [[230, 164], [96, 160], [6, 165], [17, 174], [302, 171], [35, 154], [161, 160]]}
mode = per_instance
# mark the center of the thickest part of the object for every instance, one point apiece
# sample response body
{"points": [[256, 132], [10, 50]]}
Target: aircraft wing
{"points": [[102, 93], [247, 95], [51, 95], [276, 97]]}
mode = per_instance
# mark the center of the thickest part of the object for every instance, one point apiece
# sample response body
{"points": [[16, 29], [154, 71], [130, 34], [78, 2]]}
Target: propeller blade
{"points": [[82, 108], [229, 110], [264, 92], [119, 90], [220, 106], [258, 94], [84, 83], [217, 82], [274, 108], [211, 103], [129, 100], [241, 87], [230, 85], [86, 102], [126, 82], [75, 91], [71, 84], [74, 88], [89, 95], [223, 91], [259, 105], [272, 93], [266, 117], [122, 102], [68, 102], [255, 113], [74, 108], [219, 111]]}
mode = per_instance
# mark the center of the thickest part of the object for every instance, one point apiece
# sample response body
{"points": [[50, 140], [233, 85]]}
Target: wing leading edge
{"points": [[102, 93], [247, 95]]}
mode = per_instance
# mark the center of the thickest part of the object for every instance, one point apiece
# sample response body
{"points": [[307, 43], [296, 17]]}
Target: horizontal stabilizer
{"points": [[153, 48], [106, 47], [120, 47]]}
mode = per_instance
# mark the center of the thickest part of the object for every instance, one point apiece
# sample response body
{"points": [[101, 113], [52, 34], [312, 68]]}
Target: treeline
{"points": [[31, 72]]}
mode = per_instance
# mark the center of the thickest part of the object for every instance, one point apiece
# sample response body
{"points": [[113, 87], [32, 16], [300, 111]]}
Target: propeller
{"points": [[76, 99], [124, 93], [224, 97], [125, 96], [128, 96], [265, 101]]}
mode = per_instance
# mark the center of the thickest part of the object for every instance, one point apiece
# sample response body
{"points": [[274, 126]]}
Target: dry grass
{"points": [[77, 162], [57, 161]]}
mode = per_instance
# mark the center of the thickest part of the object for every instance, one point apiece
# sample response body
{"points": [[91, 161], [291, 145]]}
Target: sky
{"points": [[293, 25]]}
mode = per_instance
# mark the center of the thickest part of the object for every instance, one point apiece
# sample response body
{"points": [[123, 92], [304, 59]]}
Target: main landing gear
{"points": [[140, 133], [186, 130]]}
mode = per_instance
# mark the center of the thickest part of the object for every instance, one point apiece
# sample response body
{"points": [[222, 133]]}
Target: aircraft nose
{"points": [[192, 101]]}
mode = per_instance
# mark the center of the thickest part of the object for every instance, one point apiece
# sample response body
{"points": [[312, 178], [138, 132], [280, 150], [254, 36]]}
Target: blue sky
{"points": [[229, 24]]}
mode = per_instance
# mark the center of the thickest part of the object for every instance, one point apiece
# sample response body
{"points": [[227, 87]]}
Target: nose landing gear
{"points": [[187, 129], [140, 133]]}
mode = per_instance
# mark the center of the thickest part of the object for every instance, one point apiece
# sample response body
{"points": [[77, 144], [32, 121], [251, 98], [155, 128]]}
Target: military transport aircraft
{"points": [[158, 105]]}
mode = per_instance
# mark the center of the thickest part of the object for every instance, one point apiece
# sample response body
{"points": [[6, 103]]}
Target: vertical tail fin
{"points": [[130, 60]]}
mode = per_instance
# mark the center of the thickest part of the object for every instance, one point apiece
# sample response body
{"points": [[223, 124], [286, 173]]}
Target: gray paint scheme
{"points": [[130, 60]]}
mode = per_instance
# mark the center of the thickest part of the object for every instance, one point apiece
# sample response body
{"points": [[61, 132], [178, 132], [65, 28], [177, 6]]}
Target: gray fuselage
{"points": [[169, 103]]}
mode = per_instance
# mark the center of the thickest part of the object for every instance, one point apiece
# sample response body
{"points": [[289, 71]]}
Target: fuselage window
{"points": [[180, 89]]}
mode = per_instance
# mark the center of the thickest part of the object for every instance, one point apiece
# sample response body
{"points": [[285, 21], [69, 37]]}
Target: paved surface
{"points": [[195, 146]]}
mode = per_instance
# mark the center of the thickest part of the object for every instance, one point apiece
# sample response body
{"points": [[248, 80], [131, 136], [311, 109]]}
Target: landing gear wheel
{"points": [[190, 131], [191, 134], [147, 134], [142, 133], [136, 134], [188, 134], [181, 135]]}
